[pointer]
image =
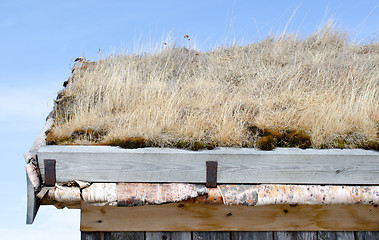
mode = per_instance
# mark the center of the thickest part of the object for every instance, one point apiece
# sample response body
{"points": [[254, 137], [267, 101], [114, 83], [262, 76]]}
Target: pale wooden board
{"points": [[197, 217], [113, 164], [294, 235], [32, 203]]}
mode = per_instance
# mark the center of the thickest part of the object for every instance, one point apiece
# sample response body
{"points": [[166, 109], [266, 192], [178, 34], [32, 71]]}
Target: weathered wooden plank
{"points": [[295, 235], [112, 235], [264, 235], [198, 217], [32, 203], [127, 236], [342, 235], [367, 235], [113, 164], [211, 236], [168, 236], [92, 236]]}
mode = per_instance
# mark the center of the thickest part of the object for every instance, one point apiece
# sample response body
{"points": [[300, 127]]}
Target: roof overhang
{"points": [[104, 175]]}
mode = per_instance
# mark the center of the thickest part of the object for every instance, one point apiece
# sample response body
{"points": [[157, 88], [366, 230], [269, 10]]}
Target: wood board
{"points": [[32, 202], [293, 166], [270, 235], [198, 217]]}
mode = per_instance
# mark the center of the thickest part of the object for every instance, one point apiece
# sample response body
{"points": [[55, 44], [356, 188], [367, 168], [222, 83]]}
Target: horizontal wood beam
{"points": [[293, 166], [198, 217], [270, 235]]}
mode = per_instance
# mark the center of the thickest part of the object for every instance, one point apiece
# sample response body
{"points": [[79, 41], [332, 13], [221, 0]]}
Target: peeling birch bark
{"points": [[61, 194], [213, 196], [269, 194], [82, 184], [42, 193], [139, 194], [100, 194], [31, 172], [233, 195]]}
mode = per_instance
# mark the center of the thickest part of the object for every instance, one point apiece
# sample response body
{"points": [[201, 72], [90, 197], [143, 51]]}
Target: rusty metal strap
{"points": [[50, 173], [211, 174]]}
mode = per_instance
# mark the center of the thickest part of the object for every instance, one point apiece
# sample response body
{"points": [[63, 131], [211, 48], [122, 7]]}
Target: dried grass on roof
{"points": [[322, 87]]}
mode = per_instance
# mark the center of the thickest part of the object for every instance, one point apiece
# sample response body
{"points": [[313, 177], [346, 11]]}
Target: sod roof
{"points": [[320, 91]]}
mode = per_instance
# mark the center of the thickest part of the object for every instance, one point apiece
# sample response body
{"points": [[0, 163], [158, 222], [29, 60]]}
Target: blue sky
{"points": [[40, 40]]}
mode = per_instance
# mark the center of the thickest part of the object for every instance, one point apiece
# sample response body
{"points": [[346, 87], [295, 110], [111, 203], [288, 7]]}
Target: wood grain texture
{"points": [[32, 203], [31, 156], [211, 235], [367, 235], [92, 235], [112, 164], [328, 235], [168, 236], [112, 235], [196, 217], [126, 236], [266, 235], [295, 235]]}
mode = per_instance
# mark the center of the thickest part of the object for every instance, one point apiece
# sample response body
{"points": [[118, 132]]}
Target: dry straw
{"points": [[323, 86]]}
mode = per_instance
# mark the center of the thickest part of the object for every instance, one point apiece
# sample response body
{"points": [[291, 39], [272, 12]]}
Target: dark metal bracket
{"points": [[211, 174], [50, 172]]}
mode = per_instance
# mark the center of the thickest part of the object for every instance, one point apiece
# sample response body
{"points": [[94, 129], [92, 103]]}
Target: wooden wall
{"points": [[230, 235]]}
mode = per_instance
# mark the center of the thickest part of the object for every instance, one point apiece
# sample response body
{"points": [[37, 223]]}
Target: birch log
{"points": [[139, 194]]}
